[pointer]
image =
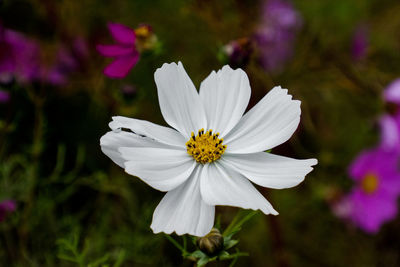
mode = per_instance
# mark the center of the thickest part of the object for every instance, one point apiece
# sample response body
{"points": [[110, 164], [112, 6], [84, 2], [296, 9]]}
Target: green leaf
{"points": [[198, 254], [230, 243], [99, 261], [223, 254], [194, 239], [120, 258], [203, 261], [67, 258], [233, 262], [240, 218]]}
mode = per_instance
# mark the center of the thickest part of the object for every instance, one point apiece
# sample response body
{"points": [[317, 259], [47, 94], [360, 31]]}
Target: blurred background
{"points": [[62, 200]]}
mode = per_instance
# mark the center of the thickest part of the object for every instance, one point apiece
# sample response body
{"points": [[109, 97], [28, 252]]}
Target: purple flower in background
{"points": [[390, 132], [359, 44], [19, 56], [390, 124], [6, 207], [123, 51], [238, 52], [373, 199], [392, 92], [68, 60], [276, 33], [128, 91], [4, 96], [57, 73]]}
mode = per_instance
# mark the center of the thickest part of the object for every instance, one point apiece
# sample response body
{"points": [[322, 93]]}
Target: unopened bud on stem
{"points": [[211, 243]]}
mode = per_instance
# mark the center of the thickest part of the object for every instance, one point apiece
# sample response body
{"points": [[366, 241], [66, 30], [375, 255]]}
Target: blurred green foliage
{"points": [[77, 208]]}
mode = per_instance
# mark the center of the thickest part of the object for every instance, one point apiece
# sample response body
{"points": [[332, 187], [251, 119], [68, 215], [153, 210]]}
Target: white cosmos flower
{"points": [[213, 152]]}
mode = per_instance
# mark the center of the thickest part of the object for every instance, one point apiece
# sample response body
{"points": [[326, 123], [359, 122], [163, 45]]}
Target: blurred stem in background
{"points": [[33, 168]]}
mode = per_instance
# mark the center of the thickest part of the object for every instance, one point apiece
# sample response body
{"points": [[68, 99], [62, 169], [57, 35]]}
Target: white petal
{"points": [[270, 170], [180, 103], [183, 211], [269, 123], [162, 168], [160, 133], [225, 96], [112, 141], [221, 186]]}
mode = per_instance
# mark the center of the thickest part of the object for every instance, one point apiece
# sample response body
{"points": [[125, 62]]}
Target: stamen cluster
{"points": [[370, 183], [205, 147]]}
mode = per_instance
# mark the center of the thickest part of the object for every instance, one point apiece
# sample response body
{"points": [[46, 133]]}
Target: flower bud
{"points": [[145, 38], [211, 243], [237, 52]]}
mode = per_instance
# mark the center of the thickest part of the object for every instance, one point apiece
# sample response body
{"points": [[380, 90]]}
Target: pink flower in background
{"points": [[237, 52], [19, 56], [390, 123], [392, 92], [373, 199], [359, 44], [276, 33], [123, 51], [390, 132], [4, 96], [67, 61], [6, 207]]}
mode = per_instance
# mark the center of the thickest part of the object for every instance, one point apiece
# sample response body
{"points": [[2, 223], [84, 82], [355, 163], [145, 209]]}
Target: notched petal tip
{"points": [[268, 210], [286, 91], [114, 125], [226, 68], [177, 232], [313, 162], [166, 66], [157, 230]]}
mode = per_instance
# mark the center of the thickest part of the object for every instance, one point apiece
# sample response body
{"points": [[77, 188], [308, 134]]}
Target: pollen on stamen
{"points": [[205, 147]]}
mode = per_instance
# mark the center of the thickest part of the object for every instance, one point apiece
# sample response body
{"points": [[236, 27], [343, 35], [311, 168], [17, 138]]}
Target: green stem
{"points": [[237, 222], [231, 225], [175, 243], [184, 242]]}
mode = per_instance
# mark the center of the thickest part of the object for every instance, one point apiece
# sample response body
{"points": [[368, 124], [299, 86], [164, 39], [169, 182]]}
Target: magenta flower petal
{"points": [[359, 45], [392, 92], [390, 132], [373, 200], [19, 56], [54, 76], [359, 165], [380, 163], [121, 66], [114, 50], [122, 33], [369, 213], [4, 96], [6, 206], [276, 33]]}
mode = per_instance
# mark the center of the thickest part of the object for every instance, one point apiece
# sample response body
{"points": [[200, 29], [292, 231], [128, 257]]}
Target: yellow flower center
{"points": [[145, 38], [370, 183], [205, 147], [142, 32]]}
